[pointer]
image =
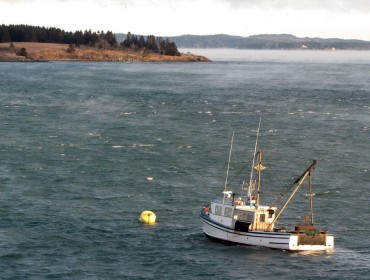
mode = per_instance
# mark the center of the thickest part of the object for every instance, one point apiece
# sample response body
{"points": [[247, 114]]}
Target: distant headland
{"points": [[33, 43], [268, 42]]}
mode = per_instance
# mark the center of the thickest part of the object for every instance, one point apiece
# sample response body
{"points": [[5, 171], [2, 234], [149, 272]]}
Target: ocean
{"points": [[79, 141]]}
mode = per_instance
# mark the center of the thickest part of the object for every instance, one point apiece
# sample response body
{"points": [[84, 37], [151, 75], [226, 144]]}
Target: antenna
{"points": [[254, 156], [228, 166]]}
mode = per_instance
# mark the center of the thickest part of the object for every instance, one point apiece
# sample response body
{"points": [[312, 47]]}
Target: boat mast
{"points": [[228, 167], [254, 156], [259, 168]]}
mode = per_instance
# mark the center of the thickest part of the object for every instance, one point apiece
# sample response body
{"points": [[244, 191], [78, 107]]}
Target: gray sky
{"points": [[312, 18]]}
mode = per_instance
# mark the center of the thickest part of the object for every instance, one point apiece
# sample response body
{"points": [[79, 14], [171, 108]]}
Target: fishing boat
{"points": [[240, 218]]}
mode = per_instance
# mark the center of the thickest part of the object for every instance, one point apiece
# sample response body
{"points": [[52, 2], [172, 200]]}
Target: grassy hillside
{"points": [[58, 52]]}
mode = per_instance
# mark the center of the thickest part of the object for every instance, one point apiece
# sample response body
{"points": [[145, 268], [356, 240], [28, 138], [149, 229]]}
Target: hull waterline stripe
{"points": [[279, 243]]}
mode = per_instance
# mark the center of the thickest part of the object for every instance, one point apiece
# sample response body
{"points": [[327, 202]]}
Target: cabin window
{"points": [[228, 212], [262, 218], [245, 216], [271, 213], [218, 210], [250, 217]]}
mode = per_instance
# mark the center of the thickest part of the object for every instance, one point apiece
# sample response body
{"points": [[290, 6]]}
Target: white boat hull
{"points": [[276, 240]]}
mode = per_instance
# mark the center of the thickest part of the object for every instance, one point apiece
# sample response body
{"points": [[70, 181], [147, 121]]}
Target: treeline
{"points": [[157, 45], [27, 33], [102, 40]]}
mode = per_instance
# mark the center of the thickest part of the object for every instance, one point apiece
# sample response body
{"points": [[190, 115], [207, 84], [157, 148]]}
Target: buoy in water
{"points": [[148, 217]]}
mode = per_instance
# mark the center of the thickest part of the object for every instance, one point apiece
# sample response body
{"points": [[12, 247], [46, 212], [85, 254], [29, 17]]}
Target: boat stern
{"points": [[311, 242]]}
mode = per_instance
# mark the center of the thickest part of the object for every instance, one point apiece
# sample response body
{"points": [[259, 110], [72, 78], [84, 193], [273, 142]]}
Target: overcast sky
{"points": [[347, 19]]}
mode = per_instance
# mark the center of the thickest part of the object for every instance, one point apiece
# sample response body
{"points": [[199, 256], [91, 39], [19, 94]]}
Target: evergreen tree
{"points": [[151, 44], [141, 43], [134, 42], [168, 48], [4, 34], [172, 49], [111, 39], [78, 38], [128, 40], [90, 38]]}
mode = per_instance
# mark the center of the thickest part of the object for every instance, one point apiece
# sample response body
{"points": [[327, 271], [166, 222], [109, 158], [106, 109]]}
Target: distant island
{"points": [[34, 43], [268, 42]]}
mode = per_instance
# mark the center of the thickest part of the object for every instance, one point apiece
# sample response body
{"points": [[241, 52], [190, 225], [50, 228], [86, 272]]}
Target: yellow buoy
{"points": [[147, 217]]}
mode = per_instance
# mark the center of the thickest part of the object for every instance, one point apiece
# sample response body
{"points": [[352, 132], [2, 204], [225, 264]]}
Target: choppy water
{"points": [[78, 141]]}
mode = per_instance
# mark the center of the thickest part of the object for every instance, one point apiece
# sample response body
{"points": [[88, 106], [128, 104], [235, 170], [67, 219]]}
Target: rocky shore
{"points": [[60, 52]]}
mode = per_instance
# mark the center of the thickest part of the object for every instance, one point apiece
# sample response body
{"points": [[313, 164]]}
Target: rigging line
{"points": [[285, 192], [274, 175], [241, 170], [270, 193], [296, 181]]}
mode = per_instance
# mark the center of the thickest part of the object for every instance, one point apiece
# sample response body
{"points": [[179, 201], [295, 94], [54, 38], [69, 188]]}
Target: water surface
{"points": [[78, 141]]}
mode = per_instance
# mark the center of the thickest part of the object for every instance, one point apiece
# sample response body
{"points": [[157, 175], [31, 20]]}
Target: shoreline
{"points": [[194, 58]]}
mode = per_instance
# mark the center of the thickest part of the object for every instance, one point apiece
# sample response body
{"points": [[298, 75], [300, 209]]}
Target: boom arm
{"points": [[300, 182]]}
